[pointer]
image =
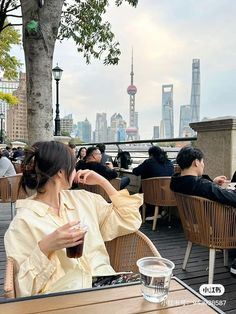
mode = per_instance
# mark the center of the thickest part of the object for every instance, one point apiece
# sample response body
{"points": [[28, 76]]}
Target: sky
{"points": [[165, 36]]}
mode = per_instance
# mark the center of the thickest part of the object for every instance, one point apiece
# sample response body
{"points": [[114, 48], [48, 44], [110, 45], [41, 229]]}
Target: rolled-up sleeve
{"points": [[33, 268], [121, 216]]}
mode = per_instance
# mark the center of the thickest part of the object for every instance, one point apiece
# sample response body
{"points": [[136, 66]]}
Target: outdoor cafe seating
{"points": [[124, 251], [207, 223], [157, 192]]}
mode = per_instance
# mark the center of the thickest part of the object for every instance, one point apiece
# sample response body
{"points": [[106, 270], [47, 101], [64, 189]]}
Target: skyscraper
{"points": [[184, 120], [167, 111], [84, 130], [101, 128], [156, 132], [195, 92], [116, 132], [132, 130]]}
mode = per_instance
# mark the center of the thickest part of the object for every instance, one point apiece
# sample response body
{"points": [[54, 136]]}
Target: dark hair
{"points": [[101, 147], [90, 151], [157, 153], [187, 155], [72, 145], [83, 147], [43, 160]]}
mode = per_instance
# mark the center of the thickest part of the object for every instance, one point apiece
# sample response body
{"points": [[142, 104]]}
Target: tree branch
{"points": [[18, 6], [13, 15], [9, 24]]}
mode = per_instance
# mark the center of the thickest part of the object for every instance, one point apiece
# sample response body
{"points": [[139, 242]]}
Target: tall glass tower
{"points": [[195, 93], [167, 111]]}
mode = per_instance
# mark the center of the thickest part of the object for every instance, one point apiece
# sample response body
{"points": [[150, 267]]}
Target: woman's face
{"points": [[83, 153]]}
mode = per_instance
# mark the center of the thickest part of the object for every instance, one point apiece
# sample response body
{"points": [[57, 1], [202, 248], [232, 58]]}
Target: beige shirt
{"points": [[36, 273]]}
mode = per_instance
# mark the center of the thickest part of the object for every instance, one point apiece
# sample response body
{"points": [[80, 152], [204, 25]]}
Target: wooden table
{"points": [[113, 300]]}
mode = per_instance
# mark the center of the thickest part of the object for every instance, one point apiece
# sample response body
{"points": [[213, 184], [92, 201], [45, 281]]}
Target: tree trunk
{"points": [[39, 43]]}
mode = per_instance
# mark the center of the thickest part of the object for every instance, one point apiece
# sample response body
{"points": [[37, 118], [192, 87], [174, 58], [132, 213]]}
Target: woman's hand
{"points": [[89, 177], [219, 180], [66, 236]]}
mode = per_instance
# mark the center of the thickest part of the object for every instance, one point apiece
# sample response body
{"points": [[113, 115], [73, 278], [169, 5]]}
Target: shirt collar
{"points": [[41, 208]]}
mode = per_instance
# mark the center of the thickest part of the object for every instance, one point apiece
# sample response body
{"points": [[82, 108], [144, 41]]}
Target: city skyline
{"points": [[166, 36]]}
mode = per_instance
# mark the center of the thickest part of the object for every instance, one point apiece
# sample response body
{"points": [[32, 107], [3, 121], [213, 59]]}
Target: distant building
{"points": [[84, 129], [17, 114], [7, 87], [117, 130], [156, 132], [67, 124], [195, 92], [132, 130], [184, 120], [167, 111], [101, 128]]}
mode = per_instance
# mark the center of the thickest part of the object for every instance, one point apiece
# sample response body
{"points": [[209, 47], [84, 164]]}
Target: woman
{"points": [[81, 157], [157, 165], [46, 224]]}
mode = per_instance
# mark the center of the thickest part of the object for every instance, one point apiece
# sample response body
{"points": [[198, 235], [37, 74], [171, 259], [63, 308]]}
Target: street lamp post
{"points": [[1, 118], [57, 72]]}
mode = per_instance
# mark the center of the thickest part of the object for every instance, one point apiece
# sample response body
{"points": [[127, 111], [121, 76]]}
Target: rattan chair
{"points": [[157, 192], [209, 224], [99, 190], [9, 190], [124, 252]]}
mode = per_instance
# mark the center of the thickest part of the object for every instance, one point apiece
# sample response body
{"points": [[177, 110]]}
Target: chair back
{"points": [[157, 191], [124, 252], [9, 285], [17, 167], [206, 222]]}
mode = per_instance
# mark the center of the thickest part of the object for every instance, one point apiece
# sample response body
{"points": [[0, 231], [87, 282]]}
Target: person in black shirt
{"points": [[191, 180], [158, 165], [105, 158], [93, 162]]}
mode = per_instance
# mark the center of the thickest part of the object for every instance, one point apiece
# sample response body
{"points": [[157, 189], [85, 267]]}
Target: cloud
{"points": [[165, 36]]}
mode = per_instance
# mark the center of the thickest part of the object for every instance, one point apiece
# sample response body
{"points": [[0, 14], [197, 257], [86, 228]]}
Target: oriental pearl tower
{"points": [[132, 130]]}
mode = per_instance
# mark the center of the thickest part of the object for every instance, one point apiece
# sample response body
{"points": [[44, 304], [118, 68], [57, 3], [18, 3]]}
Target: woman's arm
{"points": [[91, 177]]}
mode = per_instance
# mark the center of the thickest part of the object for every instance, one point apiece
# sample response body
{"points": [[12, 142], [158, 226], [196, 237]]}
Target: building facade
{"points": [[156, 132], [84, 130], [101, 128], [195, 91], [117, 130], [67, 124], [16, 119], [184, 120], [167, 111]]}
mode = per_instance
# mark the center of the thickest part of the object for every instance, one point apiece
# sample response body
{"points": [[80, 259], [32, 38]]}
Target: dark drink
{"points": [[75, 251]]}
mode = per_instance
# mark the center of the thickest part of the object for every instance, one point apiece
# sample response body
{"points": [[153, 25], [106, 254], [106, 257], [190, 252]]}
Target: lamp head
{"points": [[57, 73]]}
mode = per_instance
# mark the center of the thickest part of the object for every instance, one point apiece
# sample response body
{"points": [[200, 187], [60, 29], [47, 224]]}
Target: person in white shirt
{"points": [[6, 167]]}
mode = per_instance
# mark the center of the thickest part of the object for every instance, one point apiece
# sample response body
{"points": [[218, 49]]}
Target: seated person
{"points": [[157, 165], [234, 177], [105, 157], [81, 156], [6, 167], [191, 180], [46, 224], [93, 162]]}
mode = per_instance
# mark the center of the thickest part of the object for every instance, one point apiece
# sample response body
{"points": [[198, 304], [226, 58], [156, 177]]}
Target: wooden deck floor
{"points": [[171, 244]]}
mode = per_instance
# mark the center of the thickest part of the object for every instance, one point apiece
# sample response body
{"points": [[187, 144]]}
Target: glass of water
{"points": [[155, 275]]}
